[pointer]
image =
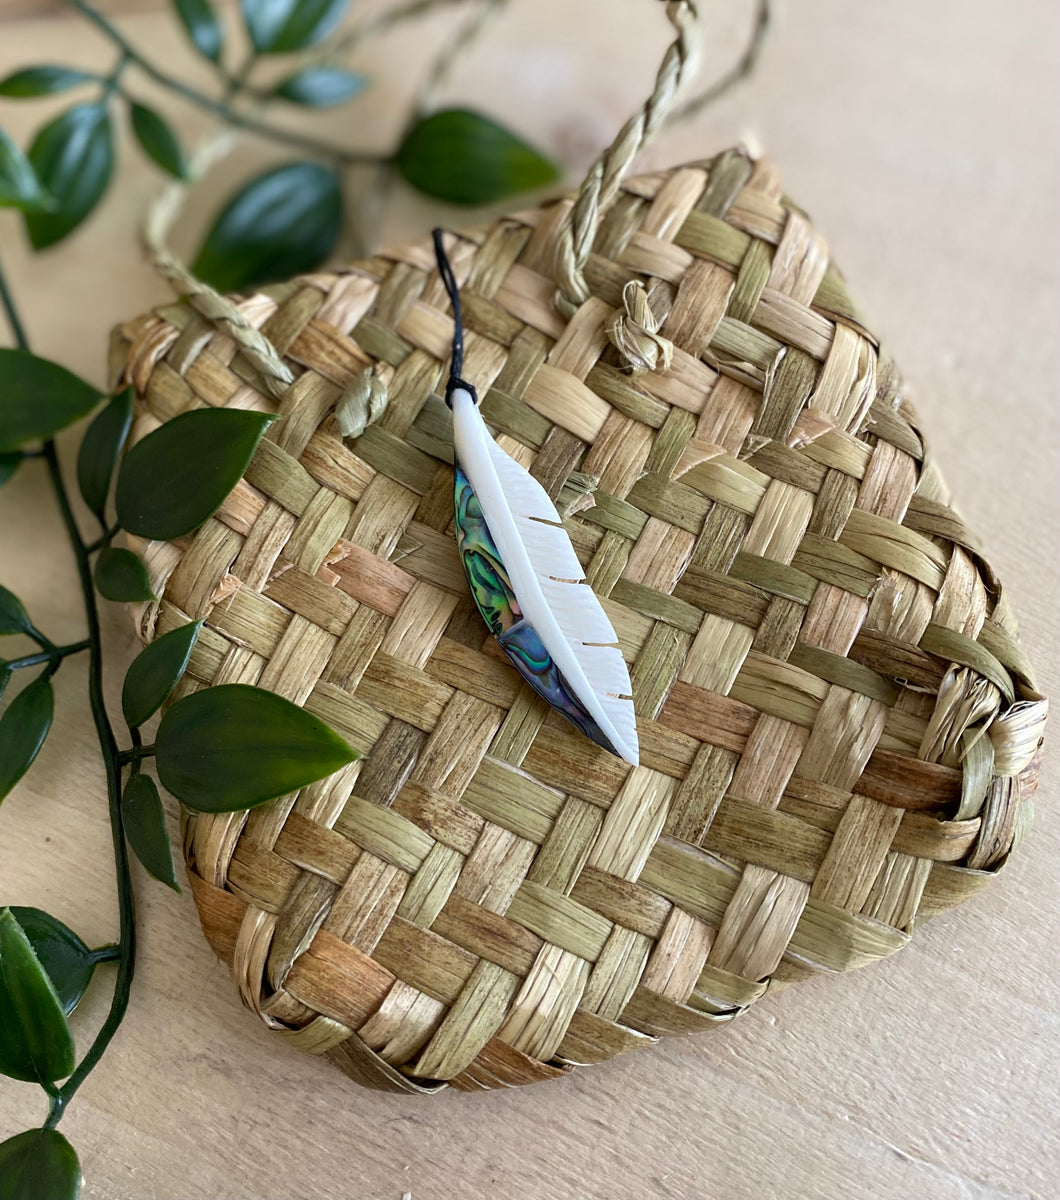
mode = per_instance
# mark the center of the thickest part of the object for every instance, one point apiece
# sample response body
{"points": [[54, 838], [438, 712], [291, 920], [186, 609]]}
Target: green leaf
{"points": [[23, 728], [9, 464], [37, 1164], [5, 677], [19, 187], [320, 87], [100, 448], [145, 827], [157, 140], [35, 1040], [13, 615], [121, 575], [178, 475], [63, 955], [282, 26], [42, 81], [155, 672], [465, 158], [233, 746], [202, 26], [280, 224], [74, 160], [38, 398]]}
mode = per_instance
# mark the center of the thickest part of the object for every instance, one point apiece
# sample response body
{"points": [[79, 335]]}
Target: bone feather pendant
{"points": [[525, 577]]}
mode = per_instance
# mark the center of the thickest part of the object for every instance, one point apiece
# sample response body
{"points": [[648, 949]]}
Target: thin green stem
{"points": [[104, 954], [102, 541], [220, 108], [109, 750], [55, 655], [11, 312], [136, 754], [236, 82]]}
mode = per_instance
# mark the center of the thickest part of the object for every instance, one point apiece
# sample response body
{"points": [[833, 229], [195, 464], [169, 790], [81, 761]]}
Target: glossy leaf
{"points": [[23, 727], [465, 158], [9, 464], [280, 224], [202, 27], [63, 955], [155, 672], [157, 140], [121, 575], [178, 475], [233, 746], [100, 448], [38, 398], [282, 26], [19, 187], [320, 87], [145, 827], [35, 1040], [13, 615], [74, 160], [39, 1164], [43, 80]]}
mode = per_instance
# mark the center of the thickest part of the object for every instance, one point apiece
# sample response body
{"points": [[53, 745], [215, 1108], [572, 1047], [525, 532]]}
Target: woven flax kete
{"points": [[838, 727]]}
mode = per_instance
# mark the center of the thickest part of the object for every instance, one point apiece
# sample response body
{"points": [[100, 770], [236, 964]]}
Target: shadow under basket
{"points": [[838, 727]]}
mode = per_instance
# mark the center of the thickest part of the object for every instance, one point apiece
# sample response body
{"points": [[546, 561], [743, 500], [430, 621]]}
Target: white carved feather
{"points": [[547, 578]]}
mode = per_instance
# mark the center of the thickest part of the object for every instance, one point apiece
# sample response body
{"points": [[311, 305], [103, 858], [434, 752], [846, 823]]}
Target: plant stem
{"points": [[221, 108], [136, 754], [11, 312], [100, 542], [109, 750], [55, 654]]}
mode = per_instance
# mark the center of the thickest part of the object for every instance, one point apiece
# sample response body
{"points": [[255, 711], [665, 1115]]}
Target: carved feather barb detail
{"points": [[526, 580]]}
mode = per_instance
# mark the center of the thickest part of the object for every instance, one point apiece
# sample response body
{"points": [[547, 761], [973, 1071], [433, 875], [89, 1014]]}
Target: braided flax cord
{"points": [[838, 726]]}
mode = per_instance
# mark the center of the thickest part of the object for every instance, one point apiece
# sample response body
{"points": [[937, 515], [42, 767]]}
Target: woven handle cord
{"points": [[605, 176]]}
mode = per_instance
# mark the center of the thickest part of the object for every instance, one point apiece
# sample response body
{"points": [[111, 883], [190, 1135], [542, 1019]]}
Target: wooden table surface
{"points": [[923, 139]]}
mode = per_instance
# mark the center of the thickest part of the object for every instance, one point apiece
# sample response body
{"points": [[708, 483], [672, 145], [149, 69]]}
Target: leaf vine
{"points": [[278, 223]]}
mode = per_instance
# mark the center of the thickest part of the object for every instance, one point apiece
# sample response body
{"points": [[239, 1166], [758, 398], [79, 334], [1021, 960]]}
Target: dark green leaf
{"points": [[155, 672], [202, 26], [157, 140], [320, 87], [465, 158], [35, 1039], [9, 464], [74, 160], [282, 26], [100, 448], [41, 81], [5, 677], [178, 475], [23, 728], [121, 575], [38, 398], [19, 187], [39, 1164], [145, 827], [66, 959], [282, 223], [13, 615], [232, 746]]}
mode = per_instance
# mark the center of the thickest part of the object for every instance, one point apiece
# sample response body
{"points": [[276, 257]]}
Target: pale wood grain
{"points": [[922, 137]]}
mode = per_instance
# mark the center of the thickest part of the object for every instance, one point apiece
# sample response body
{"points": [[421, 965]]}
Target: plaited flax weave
{"points": [[838, 726]]}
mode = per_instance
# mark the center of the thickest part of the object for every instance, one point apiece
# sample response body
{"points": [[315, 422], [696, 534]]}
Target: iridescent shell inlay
{"points": [[492, 592]]}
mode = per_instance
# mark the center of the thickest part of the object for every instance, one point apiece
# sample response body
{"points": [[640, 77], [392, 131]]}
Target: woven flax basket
{"points": [[838, 727]]}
